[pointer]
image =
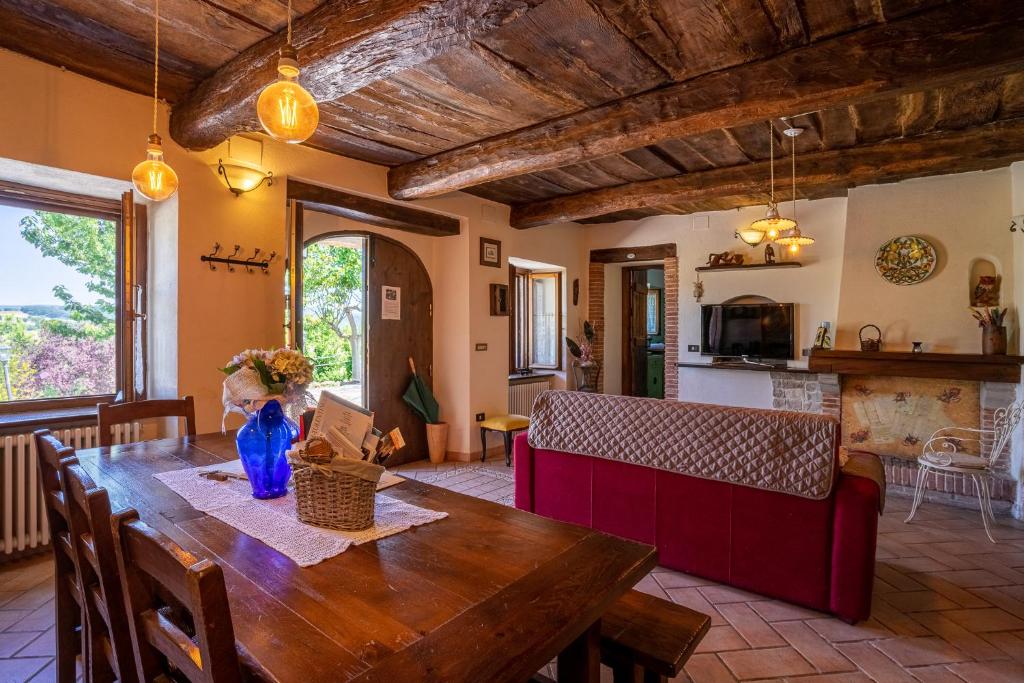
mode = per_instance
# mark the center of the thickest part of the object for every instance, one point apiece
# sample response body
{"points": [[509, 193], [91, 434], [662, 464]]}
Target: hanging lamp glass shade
{"points": [[153, 178], [286, 110], [793, 237], [773, 224], [750, 235]]}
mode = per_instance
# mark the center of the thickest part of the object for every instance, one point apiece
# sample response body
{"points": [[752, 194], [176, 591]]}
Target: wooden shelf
{"points": [[965, 366], [750, 266]]}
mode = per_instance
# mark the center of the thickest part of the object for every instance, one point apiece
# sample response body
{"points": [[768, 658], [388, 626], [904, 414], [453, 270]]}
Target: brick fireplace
{"points": [[813, 392]]}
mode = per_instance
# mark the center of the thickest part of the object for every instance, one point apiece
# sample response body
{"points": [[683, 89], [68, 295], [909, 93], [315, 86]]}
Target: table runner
{"points": [[274, 521]]}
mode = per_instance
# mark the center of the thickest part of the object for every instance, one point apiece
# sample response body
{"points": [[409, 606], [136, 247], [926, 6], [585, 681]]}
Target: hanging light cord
{"points": [[289, 22], [771, 155], [156, 62], [793, 143]]}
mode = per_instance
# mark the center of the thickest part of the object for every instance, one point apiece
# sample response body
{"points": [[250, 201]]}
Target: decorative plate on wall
{"points": [[905, 260]]}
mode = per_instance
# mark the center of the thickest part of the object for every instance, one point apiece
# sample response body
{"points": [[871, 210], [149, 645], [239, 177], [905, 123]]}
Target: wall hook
{"points": [[213, 254], [234, 259]]}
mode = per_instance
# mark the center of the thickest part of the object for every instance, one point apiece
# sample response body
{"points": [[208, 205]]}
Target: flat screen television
{"points": [[761, 331]]}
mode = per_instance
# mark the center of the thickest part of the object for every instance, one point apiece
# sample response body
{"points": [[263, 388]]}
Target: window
{"points": [[66, 335], [536, 326]]}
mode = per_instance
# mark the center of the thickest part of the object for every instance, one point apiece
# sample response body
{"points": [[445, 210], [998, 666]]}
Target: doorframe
{"points": [[626, 316]]}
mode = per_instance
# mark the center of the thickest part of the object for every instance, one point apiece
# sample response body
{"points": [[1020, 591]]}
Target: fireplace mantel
{"points": [[965, 366]]}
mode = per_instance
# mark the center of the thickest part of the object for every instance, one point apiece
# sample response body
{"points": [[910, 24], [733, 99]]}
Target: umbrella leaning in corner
{"points": [[421, 399]]}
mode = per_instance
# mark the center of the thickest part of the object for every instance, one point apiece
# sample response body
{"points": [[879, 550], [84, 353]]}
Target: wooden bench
{"points": [[647, 639]]}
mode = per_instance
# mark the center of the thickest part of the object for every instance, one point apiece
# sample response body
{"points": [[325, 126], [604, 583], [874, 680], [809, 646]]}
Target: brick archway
{"points": [[595, 303]]}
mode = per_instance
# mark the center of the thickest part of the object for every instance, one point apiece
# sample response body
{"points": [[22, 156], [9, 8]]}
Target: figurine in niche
{"points": [[769, 254], [986, 292], [698, 289], [725, 258]]}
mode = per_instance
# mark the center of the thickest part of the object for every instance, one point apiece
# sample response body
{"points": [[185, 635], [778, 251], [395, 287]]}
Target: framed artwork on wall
{"points": [[490, 252], [499, 299]]}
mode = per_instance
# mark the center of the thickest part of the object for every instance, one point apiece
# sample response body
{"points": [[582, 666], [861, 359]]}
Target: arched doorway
{"points": [[367, 307]]}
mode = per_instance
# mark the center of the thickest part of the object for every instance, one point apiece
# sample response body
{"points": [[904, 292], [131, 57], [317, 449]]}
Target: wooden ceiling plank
{"points": [[343, 46], [330, 139], [837, 128], [968, 39], [551, 94], [1012, 102], [979, 148], [38, 39], [968, 104], [359, 115]]}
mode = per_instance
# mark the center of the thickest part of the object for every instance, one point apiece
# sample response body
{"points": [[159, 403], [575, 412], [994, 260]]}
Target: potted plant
{"points": [[585, 367]]}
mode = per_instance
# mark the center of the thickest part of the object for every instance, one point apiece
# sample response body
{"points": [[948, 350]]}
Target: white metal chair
{"points": [[945, 452]]}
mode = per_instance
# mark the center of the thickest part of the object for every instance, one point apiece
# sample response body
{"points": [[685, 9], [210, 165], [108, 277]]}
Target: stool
{"points": [[644, 638], [507, 425]]}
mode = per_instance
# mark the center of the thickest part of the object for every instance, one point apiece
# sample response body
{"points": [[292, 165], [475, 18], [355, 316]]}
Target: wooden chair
{"points": [[177, 607], [647, 639], [108, 639], [50, 452], [110, 414]]}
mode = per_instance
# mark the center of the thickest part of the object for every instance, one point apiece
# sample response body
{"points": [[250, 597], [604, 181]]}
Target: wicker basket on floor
{"points": [[328, 497]]}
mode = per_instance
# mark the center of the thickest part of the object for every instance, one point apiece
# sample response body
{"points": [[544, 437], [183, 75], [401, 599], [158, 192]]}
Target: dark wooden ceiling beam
{"points": [[970, 39], [343, 46], [981, 148]]}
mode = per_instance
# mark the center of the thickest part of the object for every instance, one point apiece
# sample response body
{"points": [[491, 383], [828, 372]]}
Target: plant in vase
{"points": [[585, 367], [993, 332], [263, 385]]}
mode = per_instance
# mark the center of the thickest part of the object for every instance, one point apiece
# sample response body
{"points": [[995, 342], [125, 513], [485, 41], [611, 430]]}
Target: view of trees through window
{"points": [[57, 305], [332, 322]]}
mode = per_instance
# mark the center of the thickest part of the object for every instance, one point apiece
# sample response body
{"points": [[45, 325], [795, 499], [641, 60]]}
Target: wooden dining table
{"points": [[489, 593]]}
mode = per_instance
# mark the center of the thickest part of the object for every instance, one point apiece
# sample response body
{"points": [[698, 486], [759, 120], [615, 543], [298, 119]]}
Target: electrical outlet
{"points": [[479, 417], [481, 347], [693, 348]]}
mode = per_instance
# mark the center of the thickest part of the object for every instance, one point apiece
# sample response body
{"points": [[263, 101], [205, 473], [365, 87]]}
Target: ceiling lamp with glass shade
{"points": [[153, 178], [286, 110], [792, 238], [772, 225]]}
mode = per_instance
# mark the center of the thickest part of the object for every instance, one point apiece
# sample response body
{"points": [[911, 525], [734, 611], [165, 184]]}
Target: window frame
{"points": [[57, 201], [515, 273]]}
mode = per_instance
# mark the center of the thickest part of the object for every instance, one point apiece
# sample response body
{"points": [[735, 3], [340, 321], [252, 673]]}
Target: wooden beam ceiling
{"points": [[966, 40], [984, 147], [343, 46]]}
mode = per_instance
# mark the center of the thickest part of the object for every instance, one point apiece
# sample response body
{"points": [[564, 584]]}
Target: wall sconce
{"points": [[240, 178]]}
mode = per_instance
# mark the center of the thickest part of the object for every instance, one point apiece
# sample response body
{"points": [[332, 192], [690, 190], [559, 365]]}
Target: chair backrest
{"points": [[1004, 424], [110, 414], [49, 454], [177, 606], [89, 515]]}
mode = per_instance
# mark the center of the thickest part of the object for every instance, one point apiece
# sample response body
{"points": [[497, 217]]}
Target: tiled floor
{"points": [[949, 606]]}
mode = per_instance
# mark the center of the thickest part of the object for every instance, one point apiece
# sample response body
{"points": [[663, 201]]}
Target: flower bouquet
{"points": [[264, 385]]}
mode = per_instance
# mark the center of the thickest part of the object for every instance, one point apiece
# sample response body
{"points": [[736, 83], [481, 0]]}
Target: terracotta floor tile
{"points": [[897, 621], [47, 675], [955, 593], [772, 662], [12, 642], [649, 585], [815, 649], [909, 565], [973, 578], [722, 639], [918, 601], [692, 598], [18, 670], [836, 631], [846, 677], [1000, 596], [43, 645], [952, 632], [923, 651], [672, 579], [985, 619], [724, 594], [935, 674], [874, 663], [9, 618], [1010, 643], [776, 610], [989, 672], [753, 628], [708, 668]]}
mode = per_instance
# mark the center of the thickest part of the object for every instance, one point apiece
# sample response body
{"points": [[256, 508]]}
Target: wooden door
{"points": [[390, 343], [634, 331]]}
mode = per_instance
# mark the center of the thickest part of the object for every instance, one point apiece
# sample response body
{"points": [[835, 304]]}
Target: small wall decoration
{"points": [[905, 260], [698, 289], [576, 292], [725, 258], [490, 252], [986, 291], [769, 254], [499, 299]]}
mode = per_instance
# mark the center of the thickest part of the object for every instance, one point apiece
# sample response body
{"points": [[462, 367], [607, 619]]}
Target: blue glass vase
{"points": [[262, 444]]}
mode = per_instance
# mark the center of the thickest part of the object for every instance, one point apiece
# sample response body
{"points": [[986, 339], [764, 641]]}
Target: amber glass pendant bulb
{"points": [[153, 178], [286, 110]]}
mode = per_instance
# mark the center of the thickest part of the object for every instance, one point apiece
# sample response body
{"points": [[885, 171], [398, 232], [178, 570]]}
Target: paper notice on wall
{"points": [[390, 303]]}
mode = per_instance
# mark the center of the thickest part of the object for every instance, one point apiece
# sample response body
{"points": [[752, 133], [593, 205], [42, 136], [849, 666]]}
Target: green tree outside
{"points": [[332, 281]]}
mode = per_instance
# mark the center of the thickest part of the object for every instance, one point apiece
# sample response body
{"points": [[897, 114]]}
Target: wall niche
{"points": [[984, 283]]}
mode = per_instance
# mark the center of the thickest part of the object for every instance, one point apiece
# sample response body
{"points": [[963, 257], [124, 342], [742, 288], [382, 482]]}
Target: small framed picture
{"points": [[499, 299], [490, 252]]}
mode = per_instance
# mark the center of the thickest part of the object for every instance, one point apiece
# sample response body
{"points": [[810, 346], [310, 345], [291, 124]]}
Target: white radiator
{"points": [[522, 395], [22, 516]]}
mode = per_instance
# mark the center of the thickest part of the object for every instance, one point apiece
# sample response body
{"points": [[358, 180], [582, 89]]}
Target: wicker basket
{"points": [[335, 499]]}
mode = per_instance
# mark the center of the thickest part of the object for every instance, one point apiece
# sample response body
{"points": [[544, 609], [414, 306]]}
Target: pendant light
{"points": [[772, 225], [153, 178], [286, 110], [792, 237]]}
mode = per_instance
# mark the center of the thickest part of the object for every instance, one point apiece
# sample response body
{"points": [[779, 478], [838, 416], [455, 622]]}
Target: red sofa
{"points": [[815, 553]]}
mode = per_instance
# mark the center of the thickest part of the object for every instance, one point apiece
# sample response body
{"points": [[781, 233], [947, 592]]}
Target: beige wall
{"points": [[200, 317], [966, 217]]}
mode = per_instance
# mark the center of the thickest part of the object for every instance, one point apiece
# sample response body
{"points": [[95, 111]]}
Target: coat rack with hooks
{"points": [[233, 259]]}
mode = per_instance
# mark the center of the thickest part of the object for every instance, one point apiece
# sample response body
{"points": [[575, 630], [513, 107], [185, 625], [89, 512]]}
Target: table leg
{"points": [[581, 661]]}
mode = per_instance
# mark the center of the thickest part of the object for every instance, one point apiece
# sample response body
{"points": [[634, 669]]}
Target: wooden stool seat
{"points": [[644, 638], [507, 426]]}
